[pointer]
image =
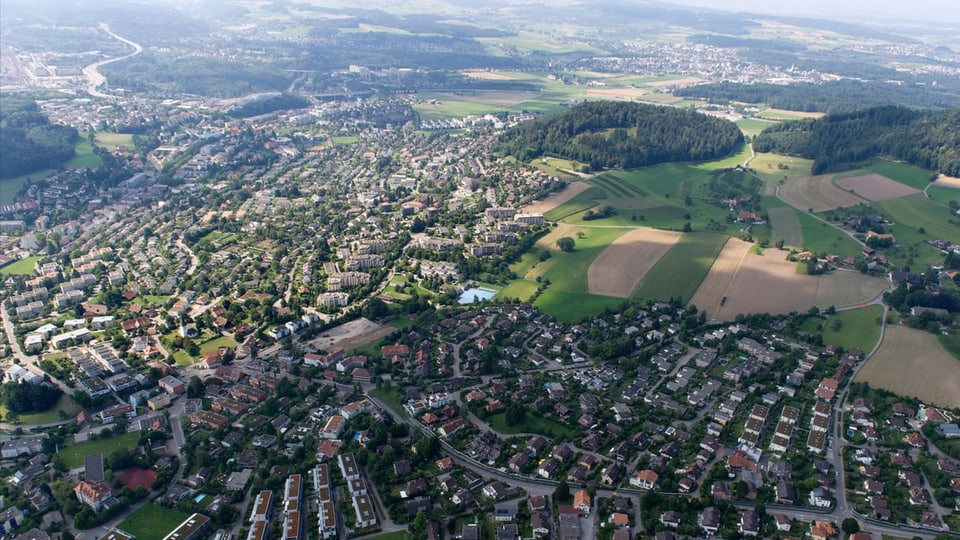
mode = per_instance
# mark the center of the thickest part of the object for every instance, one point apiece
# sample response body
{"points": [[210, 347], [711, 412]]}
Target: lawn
{"points": [[343, 140], [23, 267], [65, 404], [775, 167], [388, 395], [680, 271], [182, 358], [152, 522], [10, 187], [532, 424], [858, 328], [72, 456], [572, 307], [395, 535], [84, 156], [214, 344]]}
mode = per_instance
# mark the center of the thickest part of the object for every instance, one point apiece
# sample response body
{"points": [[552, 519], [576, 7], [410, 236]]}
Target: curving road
{"points": [[92, 72]]}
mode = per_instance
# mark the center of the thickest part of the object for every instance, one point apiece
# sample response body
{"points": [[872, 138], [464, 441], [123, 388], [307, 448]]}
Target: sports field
{"points": [[912, 362], [623, 264], [72, 456], [23, 267], [152, 522]]}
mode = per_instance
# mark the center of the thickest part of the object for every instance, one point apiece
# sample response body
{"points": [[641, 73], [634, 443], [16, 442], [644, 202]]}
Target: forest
{"points": [[609, 134], [845, 95], [930, 140], [28, 141]]}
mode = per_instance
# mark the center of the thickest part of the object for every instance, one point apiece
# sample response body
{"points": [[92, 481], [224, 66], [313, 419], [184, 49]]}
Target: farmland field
{"points": [[917, 211], [776, 167], [816, 192], [571, 306], [848, 287], [110, 141], [753, 126], [622, 265], [912, 362], [858, 328], [783, 114], [823, 238], [914, 177], [152, 522], [681, 270], [556, 199], [84, 156], [875, 187], [786, 226], [716, 286]]}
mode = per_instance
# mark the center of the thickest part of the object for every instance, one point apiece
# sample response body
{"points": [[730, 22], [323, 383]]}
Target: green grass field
{"points": [[857, 328], [23, 267], [822, 238], [388, 395], [522, 289], [110, 141], [214, 344], [678, 273], [568, 271], [84, 156], [10, 187], [338, 141], [911, 213], [65, 404], [182, 358], [775, 167], [753, 126], [531, 424], [72, 456], [914, 177], [152, 522], [572, 307], [943, 195]]}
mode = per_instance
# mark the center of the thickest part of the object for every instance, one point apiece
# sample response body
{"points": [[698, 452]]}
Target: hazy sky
{"points": [[931, 10]]}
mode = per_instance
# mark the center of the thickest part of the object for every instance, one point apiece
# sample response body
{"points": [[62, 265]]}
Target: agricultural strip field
{"points": [[786, 225], [848, 287], [875, 187], [580, 202], [767, 284], [622, 265], [912, 362], [556, 199], [716, 286], [816, 192], [914, 177], [681, 270], [568, 271], [855, 328]]}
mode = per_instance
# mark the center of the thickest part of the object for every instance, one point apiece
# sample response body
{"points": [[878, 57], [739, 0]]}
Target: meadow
{"points": [[10, 187], [84, 156], [854, 328], [680, 271], [23, 267]]}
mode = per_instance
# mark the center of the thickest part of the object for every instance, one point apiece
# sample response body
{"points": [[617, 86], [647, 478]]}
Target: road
{"points": [[26, 361], [92, 72]]}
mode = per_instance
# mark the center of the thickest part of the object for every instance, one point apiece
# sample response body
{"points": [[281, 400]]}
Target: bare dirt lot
{"points": [[620, 268], [912, 362], [876, 187], [716, 286], [350, 335], [816, 192], [948, 181], [572, 190]]}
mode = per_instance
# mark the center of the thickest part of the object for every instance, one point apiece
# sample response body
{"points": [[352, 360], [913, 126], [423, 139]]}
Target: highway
{"points": [[92, 73]]}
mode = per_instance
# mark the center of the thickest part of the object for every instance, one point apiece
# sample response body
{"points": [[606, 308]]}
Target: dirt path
{"points": [[620, 268]]}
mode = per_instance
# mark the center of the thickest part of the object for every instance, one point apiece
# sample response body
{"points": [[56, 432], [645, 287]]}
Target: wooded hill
{"points": [[616, 134], [28, 141], [930, 140]]}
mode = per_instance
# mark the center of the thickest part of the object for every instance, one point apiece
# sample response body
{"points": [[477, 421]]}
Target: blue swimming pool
{"points": [[476, 294]]}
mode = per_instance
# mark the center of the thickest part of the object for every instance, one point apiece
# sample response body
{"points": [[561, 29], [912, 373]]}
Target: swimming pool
{"points": [[476, 294]]}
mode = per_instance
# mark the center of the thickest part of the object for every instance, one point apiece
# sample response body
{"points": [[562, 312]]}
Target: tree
{"points": [[562, 493], [515, 415], [850, 526], [566, 244]]}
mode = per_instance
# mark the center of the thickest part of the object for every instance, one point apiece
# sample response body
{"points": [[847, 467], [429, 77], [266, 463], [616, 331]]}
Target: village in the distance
{"points": [[350, 309]]}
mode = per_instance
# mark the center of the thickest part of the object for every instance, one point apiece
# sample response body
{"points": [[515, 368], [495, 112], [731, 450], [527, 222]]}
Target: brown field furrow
{"points": [[816, 192], [620, 268], [769, 284], [717, 284], [912, 362], [572, 190], [876, 187]]}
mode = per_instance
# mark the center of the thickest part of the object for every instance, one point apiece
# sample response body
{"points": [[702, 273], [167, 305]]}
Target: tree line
{"points": [[845, 95], [927, 139], [28, 141], [608, 134]]}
